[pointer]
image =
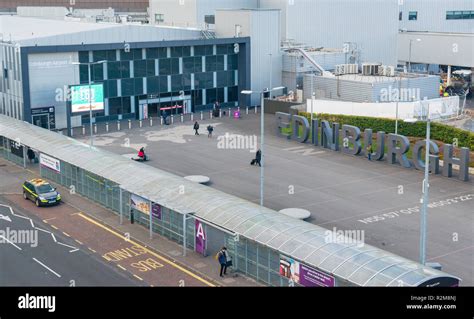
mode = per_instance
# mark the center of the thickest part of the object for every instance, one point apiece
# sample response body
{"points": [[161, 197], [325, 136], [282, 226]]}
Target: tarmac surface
{"points": [[342, 192]]}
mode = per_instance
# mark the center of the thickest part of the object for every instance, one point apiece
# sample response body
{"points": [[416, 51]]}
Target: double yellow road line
{"points": [[147, 250]]}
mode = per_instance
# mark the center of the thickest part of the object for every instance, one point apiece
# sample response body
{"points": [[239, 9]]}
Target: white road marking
{"points": [[7, 218], [10, 242], [31, 222], [74, 248], [39, 262], [54, 238], [41, 229]]}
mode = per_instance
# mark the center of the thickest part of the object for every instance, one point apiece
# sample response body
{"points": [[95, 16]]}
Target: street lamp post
{"points": [[425, 188], [90, 93], [398, 99], [409, 53], [262, 130]]}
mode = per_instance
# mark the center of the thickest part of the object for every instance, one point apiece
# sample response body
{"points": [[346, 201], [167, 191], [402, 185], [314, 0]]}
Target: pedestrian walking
{"points": [[31, 155], [196, 128], [210, 129], [369, 152], [221, 257], [258, 158]]}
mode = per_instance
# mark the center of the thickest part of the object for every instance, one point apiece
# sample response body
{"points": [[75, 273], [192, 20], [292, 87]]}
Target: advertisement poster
{"points": [[16, 148], [310, 277], [304, 275], [200, 238], [156, 211], [50, 162], [80, 98], [140, 204], [290, 268]]}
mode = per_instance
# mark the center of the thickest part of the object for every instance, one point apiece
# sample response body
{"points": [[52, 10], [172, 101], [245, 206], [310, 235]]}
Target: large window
{"points": [[118, 70], [169, 66], [413, 15], [159, 18], [460, 15]]}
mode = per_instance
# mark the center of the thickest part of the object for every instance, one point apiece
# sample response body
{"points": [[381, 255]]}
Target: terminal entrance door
{"points": [[41, 120]]}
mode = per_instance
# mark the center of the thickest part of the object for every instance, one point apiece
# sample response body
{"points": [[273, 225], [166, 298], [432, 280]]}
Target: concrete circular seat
{"points": [[297, 213], [198, 179]]}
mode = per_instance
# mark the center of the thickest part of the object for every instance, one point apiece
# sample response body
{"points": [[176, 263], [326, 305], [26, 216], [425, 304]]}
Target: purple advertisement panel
{"points": [[200, 238], [310, 277], [156, 211]]}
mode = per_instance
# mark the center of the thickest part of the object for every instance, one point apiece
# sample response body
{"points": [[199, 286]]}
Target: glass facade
{"points": [[158, 77]]}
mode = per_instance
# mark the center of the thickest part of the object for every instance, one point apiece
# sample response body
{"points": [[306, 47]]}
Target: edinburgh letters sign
{"points": [[326, 135]]}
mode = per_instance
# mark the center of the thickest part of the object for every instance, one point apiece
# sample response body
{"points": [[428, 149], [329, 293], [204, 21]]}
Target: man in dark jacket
{"points": [[258, 158], [221, 257], [210, 129], [196, 128]]}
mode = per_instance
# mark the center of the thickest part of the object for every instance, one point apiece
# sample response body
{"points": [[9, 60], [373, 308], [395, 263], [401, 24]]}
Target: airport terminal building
{"points": [[142, 71]]}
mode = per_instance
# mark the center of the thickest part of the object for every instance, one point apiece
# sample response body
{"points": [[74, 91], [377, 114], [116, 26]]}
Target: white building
{"points": [[436, 32], [192, 13], [372, 25], [261, 25], [456, 16]]}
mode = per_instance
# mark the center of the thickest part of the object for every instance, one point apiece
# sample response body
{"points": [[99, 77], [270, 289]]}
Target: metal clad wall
{"points": [[209, 7], [348, 90], [358, 91], [260, 26], [373, 24], [265, 40], [432, 16], [11, 91]]}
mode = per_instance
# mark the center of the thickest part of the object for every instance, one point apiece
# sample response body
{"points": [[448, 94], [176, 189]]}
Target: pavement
{"points": [[81, 243], [341, 192]]}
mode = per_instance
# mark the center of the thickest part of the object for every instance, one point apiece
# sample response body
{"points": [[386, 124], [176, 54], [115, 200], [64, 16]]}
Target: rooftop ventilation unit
{"points": [[346, 69], [371, 68]]}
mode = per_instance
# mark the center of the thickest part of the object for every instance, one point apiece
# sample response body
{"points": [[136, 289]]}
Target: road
{"points": [[66, 247], [341, 191], [50, 258]]}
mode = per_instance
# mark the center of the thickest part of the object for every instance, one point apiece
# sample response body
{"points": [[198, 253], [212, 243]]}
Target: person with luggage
{"points": [[221, 257], [257, 159], [210, 129]]}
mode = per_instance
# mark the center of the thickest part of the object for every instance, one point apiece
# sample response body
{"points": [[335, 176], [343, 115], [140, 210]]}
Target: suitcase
{"points": [[253, 162]]}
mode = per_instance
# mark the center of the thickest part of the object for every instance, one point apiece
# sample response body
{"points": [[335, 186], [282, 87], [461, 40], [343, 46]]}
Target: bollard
{"points": [[72, 132], [220, 113], [202, 116], [172, 118], [106, 126], [255, 109], [129, 124], [118, 125], [210, 114], [141, 123], [192, 117], [95, 128], [83, 130], [238, 109], [161, 120], [151, 121], [247, 110], [230, 111], [182, 118]]}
